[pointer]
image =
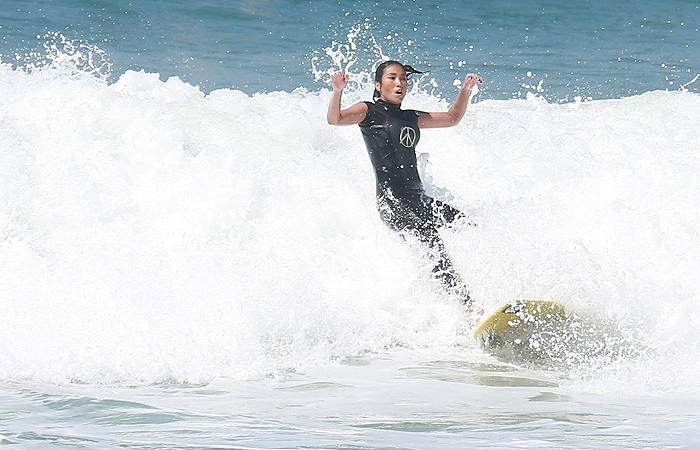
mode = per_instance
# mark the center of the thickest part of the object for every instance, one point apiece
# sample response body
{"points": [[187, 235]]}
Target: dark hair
{"points": [[382, 68]]}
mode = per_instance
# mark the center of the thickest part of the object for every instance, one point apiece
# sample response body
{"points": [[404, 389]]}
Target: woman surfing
{"points": [[391, 135]]}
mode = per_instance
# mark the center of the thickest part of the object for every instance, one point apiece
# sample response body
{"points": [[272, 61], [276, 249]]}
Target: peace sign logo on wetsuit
{"points": [[407, 137]]}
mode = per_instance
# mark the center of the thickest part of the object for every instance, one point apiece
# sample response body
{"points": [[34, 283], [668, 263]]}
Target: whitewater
{"points": [[197, 263]]}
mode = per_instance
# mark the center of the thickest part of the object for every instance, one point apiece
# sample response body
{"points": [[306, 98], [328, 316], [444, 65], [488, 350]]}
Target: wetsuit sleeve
{"points": [[418, 114], [369, 116]]}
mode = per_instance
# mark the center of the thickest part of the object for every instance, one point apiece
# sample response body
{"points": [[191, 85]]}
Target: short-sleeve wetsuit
{"points": [[391, 135]]}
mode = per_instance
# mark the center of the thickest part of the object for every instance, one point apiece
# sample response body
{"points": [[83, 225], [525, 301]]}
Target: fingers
{"points": [[474, 78], [471, 79], [339, 80]]}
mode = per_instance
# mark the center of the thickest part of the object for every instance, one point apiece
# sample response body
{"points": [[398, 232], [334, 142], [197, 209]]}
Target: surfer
{"points": [[391, 134]]}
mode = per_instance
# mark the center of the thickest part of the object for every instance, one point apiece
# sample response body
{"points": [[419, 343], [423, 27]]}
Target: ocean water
{"points": [[190, 257]]}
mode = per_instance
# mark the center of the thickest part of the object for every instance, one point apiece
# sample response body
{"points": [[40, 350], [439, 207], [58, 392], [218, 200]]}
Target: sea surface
{"points": [[191, 258]]}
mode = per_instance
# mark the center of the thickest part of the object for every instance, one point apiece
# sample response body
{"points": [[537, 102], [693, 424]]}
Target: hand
{"points": [[339, 80], [470, 81]]}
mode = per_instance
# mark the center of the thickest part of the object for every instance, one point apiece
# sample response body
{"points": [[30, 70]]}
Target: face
{"points": [[394, 84]]}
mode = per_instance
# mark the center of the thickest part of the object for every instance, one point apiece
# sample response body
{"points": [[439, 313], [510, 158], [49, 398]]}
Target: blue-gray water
{"points": [[594, 48], [190, 257]]}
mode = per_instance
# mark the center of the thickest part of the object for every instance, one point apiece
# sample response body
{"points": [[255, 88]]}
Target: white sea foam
{"points": [[151, 232]]}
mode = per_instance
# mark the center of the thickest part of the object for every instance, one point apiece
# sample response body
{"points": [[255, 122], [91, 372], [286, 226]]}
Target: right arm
{"points": [[336, 116], [457, 110]]}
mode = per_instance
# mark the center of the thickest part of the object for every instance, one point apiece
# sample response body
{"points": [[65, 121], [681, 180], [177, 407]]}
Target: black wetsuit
{"points": [[391, 135]]}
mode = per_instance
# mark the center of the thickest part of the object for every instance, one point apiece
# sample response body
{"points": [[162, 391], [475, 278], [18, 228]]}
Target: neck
{"points": [[396, 105]]}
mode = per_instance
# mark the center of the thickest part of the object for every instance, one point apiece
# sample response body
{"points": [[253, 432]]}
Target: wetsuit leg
{"points": [[443, 213], [421, 216], [443, 269]]}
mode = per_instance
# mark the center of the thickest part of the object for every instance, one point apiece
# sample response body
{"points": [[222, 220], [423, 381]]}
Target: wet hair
{"points": [[382, 68]]}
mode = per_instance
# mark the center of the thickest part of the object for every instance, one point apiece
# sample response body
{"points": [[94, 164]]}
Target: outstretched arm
{"points": [[336, 116], [457, 110]]}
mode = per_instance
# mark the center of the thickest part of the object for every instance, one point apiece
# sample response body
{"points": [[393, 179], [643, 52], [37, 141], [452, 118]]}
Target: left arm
{"points": [[456, 111]]}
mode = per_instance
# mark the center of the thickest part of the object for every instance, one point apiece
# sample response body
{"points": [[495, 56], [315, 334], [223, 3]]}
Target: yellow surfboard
{"points": [[541, 333], [520, 323]]}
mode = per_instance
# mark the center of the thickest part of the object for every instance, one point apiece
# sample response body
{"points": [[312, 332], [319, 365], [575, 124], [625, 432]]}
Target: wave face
{"points": [[154, 232]]}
